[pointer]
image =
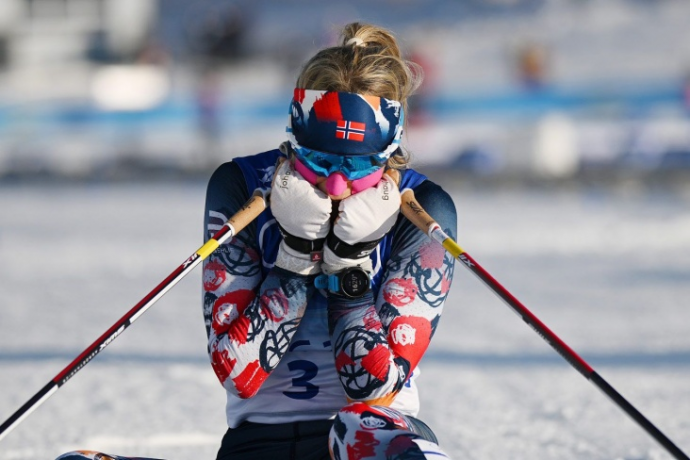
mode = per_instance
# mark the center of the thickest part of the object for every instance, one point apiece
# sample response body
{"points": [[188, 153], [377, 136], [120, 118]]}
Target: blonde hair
{"points": [[367, 61]]}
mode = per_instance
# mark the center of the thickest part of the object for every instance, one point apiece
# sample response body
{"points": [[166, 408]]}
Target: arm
{"points": [[249, 320], [379, 342]]}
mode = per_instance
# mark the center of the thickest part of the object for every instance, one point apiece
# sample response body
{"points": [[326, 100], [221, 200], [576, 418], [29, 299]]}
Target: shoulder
{"points": [[426, 190], [260, 162], [224, 171], [431, 191], [226, 179], [437, 202], [259, 168], [247, 172]]}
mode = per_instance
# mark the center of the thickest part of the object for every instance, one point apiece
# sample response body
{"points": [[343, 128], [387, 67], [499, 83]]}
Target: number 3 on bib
{"points": [[309, 370]]}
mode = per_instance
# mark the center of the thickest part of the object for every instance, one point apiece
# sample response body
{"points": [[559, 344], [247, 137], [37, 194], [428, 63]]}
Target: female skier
{"points": [[319, 312]]}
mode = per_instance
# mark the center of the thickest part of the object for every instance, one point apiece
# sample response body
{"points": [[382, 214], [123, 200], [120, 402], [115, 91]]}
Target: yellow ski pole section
{"points": [[210, 246]]}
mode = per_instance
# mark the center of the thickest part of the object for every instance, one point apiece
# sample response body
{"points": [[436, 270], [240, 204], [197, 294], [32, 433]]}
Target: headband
{"points": [[344, 123]]}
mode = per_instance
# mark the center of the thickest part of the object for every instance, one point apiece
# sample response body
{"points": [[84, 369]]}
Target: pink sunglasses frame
{"points": [[336, 183]]}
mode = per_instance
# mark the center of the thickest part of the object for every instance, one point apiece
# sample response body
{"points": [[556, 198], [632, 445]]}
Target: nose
{"points": [[336, 184]]}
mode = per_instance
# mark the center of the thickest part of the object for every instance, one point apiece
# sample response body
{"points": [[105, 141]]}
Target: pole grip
{"points": [[410, 208], [414, 212], [250, 210]]}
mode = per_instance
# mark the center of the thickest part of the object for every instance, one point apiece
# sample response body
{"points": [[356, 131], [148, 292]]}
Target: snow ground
{"points": [[607, 270]]}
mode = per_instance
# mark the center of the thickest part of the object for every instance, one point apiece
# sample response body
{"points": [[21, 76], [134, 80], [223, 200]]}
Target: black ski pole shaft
{"points": [[416, 214], [249, 212]]}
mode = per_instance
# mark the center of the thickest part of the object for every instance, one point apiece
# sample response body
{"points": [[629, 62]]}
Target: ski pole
{"points": [[250, 210], [416, 214]]}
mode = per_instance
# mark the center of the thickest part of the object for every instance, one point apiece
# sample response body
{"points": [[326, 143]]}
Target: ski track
{"points": [[607, 270]]}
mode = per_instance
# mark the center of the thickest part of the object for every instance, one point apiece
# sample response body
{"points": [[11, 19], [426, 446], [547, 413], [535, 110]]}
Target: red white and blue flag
{"points": [[350, 130]]}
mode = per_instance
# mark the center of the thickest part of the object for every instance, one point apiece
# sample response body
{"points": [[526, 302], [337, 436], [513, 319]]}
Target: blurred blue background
{"points": [[554, 89]]}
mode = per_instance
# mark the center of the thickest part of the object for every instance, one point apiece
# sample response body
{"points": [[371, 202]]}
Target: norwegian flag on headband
{"points": [[344, 123], [350, 130]]}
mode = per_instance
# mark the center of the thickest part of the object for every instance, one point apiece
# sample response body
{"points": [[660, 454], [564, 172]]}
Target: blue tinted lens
{"points": [[351, 166]]}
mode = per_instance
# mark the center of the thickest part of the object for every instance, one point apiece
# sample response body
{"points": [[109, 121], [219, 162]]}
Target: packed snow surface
{"points": [[608, 270]]}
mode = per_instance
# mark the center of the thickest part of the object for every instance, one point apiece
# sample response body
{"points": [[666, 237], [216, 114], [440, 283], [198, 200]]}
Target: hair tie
{"points": [[355, 41]]}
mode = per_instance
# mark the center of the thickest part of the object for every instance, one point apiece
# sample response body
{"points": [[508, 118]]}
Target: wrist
{"points": [[303, 245], [350, 283], [350, 251], [332, 263], [297, 262]]}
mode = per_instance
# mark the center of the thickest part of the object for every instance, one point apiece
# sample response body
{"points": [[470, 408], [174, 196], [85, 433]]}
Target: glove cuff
{"points": [[332, 263], [350, 251], [295, 261], [302, 245]]}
